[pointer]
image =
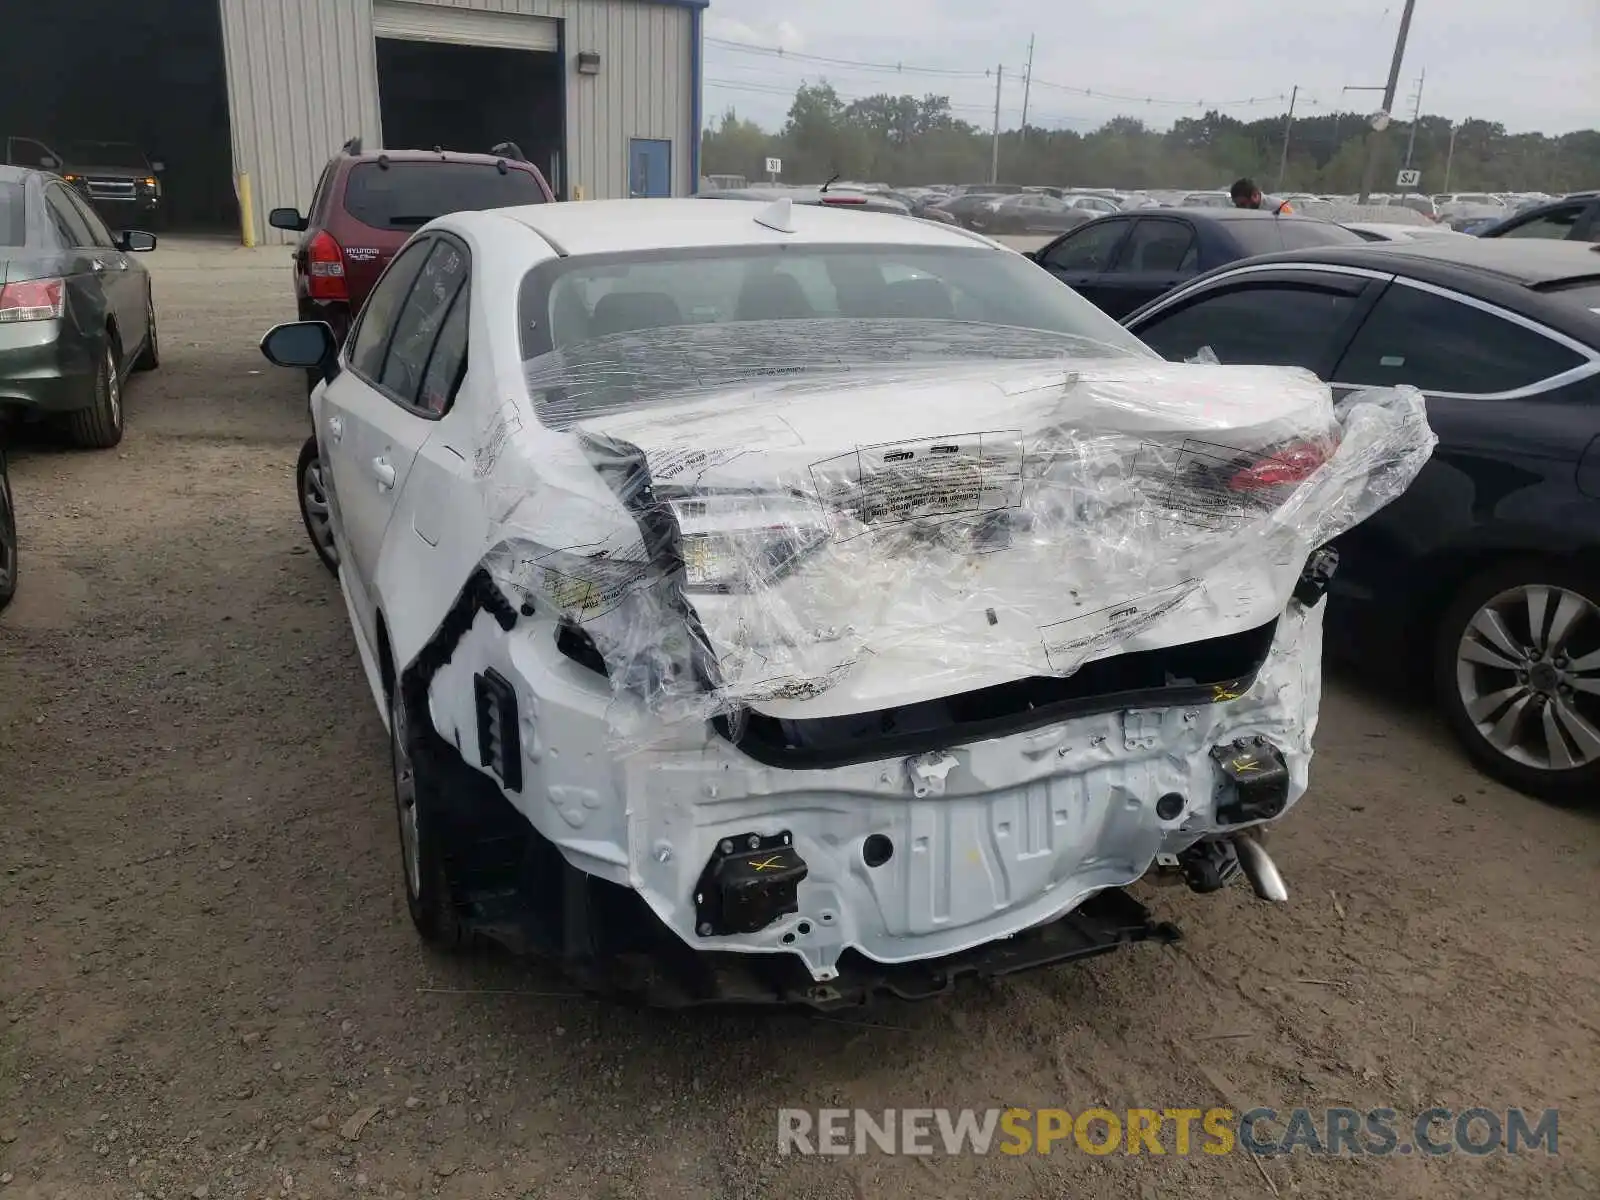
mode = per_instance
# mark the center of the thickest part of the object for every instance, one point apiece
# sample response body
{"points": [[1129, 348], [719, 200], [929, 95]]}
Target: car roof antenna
{"points": [[509, 150], [778, 216], [833, 180]]}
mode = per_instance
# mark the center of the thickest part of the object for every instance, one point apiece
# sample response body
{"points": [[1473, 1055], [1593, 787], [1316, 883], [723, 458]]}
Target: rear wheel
{"points": [[150, 357], [8, 538], [1517, 670], [99, 427], [419, 809]]}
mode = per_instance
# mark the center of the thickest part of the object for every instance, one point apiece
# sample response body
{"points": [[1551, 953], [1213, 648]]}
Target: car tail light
{"points": [[32, 300], [844, 199], [1289, 465], [325, 268]]}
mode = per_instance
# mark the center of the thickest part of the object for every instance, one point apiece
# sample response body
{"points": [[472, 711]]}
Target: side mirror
{"points": [[287, 218], [136, 240], [158, 166], [305, 345], [49, 162]]}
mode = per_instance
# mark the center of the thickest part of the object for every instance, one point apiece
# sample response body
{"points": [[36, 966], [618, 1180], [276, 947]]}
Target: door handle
{"points": [[98, 265], [335, 428], [383, 472]]}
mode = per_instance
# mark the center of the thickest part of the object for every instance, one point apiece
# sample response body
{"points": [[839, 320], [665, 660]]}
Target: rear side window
{"points": [[1275, 324], [1442, 345], [13, 215], [1271, 236], [407, 195], [1559, 223]]}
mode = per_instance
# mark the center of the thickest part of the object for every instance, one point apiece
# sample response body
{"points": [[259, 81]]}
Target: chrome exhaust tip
{"points": [[1259, 869]]}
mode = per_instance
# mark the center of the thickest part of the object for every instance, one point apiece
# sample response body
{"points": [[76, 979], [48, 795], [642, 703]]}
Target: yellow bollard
{"points": [[247, 210]]}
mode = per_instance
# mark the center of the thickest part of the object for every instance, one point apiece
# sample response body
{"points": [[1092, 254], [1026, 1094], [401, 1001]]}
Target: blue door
{"points": [[649, 167]]}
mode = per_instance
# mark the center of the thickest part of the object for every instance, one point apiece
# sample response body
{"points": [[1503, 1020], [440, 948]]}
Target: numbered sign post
{"points": [[1408, 179], [774, 168]]}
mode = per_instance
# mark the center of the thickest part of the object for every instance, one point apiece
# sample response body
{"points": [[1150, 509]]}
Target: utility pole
{"points": [[1288, 124], [994, 161], [1027, 85], [1376, 137], [1450, 158], [1416, 115]]}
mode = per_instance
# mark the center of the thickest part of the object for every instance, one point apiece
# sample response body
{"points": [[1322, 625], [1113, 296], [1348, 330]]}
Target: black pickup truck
{"points": [[116, 177]]}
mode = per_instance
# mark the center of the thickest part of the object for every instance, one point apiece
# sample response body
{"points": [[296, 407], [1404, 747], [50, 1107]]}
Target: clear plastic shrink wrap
{"points": [[841, 533]]}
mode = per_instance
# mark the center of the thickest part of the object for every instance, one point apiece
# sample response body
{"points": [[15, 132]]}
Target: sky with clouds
{"points": [[1531, 66]]}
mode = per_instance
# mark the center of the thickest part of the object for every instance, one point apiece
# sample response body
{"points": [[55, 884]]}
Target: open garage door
{"points": [[113, 87], [464, 27], [466, 80]]}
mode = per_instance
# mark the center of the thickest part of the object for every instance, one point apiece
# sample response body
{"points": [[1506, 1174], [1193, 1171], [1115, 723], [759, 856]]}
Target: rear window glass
{"points": [[407, 195], [1268, 237], [1584, 293], [13, 215]]}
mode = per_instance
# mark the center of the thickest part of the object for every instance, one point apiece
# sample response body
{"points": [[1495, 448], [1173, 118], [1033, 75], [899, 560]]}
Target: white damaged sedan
{"points": [[776, 603]]}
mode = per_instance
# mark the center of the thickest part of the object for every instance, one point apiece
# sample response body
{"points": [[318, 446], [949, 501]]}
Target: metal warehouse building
{"points": [[603, 95]]}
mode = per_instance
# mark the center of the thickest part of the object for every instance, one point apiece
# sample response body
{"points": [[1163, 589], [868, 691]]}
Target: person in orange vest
{"points": [[1246, 194]]}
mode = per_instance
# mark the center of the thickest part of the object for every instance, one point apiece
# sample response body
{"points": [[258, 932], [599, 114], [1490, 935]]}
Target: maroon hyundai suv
{"points": [[368, 203]]}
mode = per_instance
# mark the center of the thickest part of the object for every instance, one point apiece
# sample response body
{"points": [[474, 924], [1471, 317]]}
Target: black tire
{"points": [[311, 489], [150, 357], [420, 774], [1574, 712], [99, 426], [8, 537]]}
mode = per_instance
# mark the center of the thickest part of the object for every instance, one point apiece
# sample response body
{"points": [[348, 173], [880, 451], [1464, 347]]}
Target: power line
{"points": [[893, 68], [947, 73]]}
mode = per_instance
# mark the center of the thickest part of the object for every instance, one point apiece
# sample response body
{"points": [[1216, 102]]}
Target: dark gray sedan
{"points": [[1031, 212], [76, 314]]}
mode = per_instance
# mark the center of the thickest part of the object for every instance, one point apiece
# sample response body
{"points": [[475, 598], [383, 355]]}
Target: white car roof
{"points": [[609, 226]]}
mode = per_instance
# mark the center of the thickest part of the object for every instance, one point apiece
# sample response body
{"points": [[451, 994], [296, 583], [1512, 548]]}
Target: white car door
{"points": [[373, 423]]}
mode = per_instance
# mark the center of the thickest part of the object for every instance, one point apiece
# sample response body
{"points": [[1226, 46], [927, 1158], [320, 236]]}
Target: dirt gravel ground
{"points": [[208, 985]]}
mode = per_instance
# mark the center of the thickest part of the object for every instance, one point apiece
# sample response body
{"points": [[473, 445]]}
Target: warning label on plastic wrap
{"points": [[1191, 483], [578, 585], [951, 475], [1067, 643]]}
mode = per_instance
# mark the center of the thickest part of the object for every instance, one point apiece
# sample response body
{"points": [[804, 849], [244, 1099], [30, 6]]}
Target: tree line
{"points": [[907, 140]]}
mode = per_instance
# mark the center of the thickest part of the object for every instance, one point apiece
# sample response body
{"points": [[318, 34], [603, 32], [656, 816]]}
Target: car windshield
{"points": [[106, 154], [13, 215], [409, 194], [611, 333], [1270, 236]]}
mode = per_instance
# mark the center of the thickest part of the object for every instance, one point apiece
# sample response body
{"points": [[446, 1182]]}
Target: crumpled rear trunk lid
{"points": [[848, 544]]}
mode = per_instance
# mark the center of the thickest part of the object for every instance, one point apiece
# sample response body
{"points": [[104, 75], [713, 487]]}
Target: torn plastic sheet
{"points": [[824, 535]]}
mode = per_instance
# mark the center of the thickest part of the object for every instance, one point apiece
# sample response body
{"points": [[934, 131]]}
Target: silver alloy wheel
{"points": [[405, 796], [113, 385], [1528, 674], [314, 496]]}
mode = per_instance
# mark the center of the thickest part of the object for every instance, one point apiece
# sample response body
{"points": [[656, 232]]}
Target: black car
{"points": [[1485, 574], [1121, 261], [1574, 218], [76, 313], [8, 536], [1030, 212]]}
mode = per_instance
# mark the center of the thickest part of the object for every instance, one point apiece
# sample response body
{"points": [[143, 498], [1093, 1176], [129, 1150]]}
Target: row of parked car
{"points": [[622, 526], [77, 317]]}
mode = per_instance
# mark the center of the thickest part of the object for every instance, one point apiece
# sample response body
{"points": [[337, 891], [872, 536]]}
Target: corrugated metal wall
{"points": [[302, 77]]}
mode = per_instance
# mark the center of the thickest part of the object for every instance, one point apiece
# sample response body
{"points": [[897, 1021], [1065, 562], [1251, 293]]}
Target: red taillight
{"points": [[1292, 464], [325, 268], [844, 199], [32, 300]]}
